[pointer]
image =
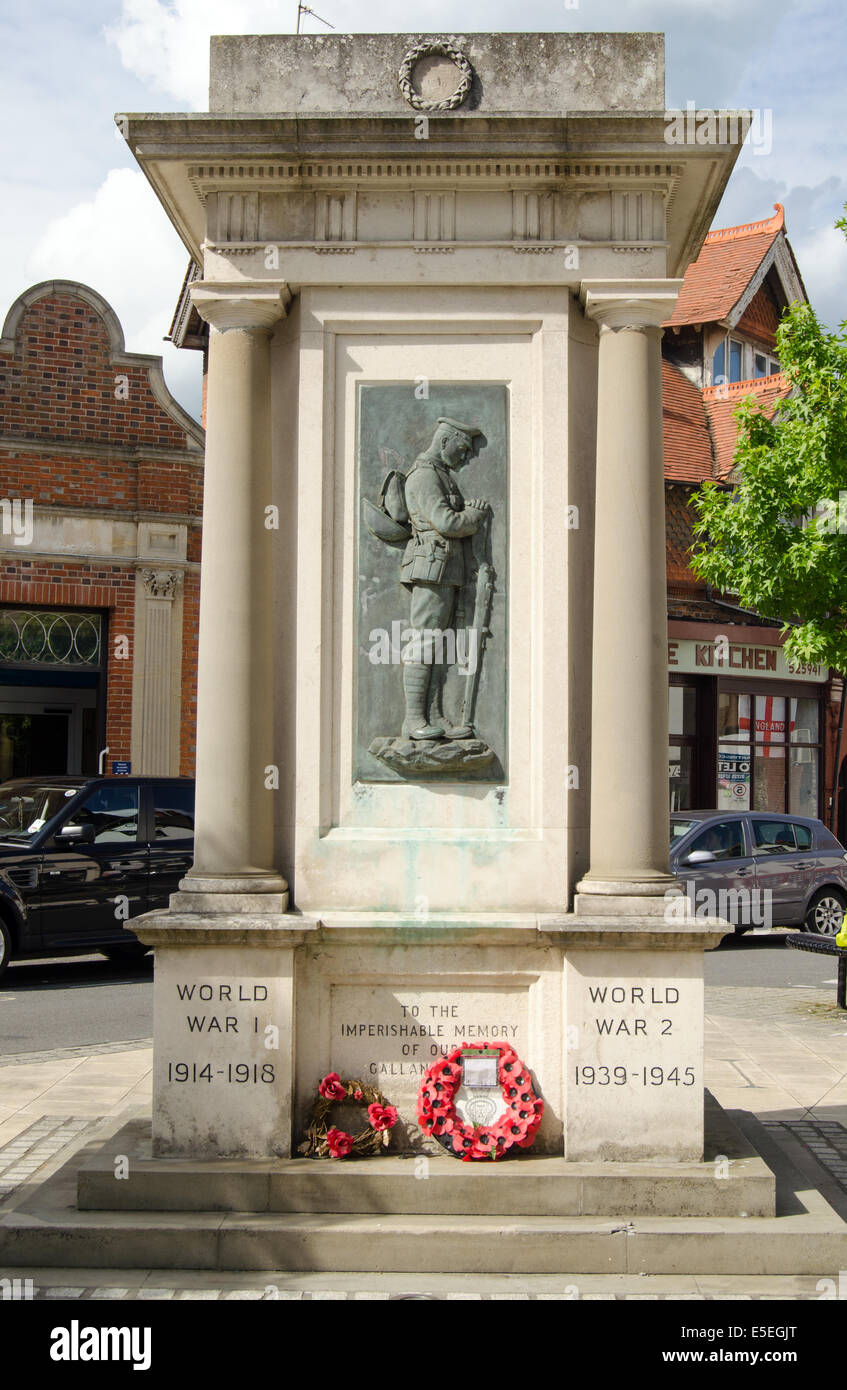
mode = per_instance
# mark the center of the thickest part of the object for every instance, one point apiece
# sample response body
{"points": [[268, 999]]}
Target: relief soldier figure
{"points": [[447, 541], [433, 569]]}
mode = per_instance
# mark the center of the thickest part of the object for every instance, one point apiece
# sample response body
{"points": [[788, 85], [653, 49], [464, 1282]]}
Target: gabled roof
{"points": [[719, 285], [53, 290]]}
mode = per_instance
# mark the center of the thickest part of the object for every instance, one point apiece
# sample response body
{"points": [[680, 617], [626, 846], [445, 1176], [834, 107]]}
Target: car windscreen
{"points": [[26, 807], [679, 828]]}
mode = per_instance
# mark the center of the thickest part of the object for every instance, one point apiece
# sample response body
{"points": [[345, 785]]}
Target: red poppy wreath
{"points": [[325, 1141], [515, 1127]]}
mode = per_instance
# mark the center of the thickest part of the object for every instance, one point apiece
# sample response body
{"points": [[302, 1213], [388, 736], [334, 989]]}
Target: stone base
{"points": [[525, 1185], [526, 1216], [252, 1009], [462, 757]]}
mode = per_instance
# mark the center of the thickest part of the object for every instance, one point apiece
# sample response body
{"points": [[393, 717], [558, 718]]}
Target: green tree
{"points": [[778, 538]]}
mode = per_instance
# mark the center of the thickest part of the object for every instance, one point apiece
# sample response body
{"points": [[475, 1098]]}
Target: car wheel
{"points": [[825, 915], [5, 947], [126, 955]]}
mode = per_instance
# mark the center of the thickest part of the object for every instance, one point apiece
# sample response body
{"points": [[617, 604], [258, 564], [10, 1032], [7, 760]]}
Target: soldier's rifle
{"points": [[483, 601]]}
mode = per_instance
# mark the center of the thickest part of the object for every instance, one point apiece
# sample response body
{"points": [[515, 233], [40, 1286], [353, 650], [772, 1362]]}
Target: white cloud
{"points": [[822, 258], [167, 45], [121, 244]]}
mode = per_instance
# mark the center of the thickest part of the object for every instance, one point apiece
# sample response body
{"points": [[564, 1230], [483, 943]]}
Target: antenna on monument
{"points": [[305, 9]]}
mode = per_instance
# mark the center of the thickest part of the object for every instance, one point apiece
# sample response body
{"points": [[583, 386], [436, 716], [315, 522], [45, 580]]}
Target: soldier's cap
{"points": [[470, 430], [473, 435]]}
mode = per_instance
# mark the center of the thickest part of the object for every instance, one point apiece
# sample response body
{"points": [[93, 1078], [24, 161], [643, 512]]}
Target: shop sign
{"points": [[719, 656]]}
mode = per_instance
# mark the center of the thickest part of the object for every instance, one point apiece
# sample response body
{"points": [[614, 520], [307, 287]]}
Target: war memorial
{"points": [[432, 736]]}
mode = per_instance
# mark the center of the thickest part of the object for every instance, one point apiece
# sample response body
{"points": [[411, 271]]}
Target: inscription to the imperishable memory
{"points": [[423, 1032], [634, 1036], [237, 1034]]}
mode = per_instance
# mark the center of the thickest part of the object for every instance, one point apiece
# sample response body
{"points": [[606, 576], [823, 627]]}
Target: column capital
{"points": [[247, 305], [617, 304], [161, 583]]}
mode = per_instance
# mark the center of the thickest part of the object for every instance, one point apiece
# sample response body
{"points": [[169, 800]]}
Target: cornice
{"points": [[187, 157], [512, 171]]}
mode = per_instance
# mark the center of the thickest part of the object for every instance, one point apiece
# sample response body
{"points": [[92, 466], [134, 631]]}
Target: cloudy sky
{"points": [[76, 207]]}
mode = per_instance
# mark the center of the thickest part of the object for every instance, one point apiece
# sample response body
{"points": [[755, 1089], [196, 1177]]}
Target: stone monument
{"points": [[432, 731]]}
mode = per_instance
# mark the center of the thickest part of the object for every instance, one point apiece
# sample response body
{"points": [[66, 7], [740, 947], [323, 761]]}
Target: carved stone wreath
{"points": [[439, 48]]}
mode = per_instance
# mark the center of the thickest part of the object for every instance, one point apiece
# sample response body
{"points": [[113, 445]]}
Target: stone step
{"points": [[807, 1243], [422, 1185]]}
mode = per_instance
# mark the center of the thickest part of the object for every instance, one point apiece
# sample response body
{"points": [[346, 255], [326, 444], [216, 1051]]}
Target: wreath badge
{"points": [[438, 48], [481, 1125], [325, 1141]]}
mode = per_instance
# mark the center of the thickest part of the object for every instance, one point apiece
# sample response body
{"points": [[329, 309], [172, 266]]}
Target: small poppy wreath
{"points": [[323, 1141], [517, 1127]]}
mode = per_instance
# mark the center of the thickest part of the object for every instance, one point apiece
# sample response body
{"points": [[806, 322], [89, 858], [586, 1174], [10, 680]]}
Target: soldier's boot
{"points": [[436, 707], [416, 687]]}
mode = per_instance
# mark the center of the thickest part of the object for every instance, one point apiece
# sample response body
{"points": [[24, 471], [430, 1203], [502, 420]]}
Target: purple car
{"points": [[761, 869]]}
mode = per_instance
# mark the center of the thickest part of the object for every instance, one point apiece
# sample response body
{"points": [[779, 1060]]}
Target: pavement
{"points": [[776, 1057]]}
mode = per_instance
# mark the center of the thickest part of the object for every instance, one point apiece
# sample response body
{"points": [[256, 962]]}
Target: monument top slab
{"points": [[359, 74]]}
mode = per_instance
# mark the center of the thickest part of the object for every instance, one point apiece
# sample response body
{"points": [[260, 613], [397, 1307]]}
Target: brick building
{"points": [[101, 496], [747, 727]]}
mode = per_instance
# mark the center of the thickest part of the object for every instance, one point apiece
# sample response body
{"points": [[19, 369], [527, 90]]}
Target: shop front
{"points": [[746, 723], [51, 691]]}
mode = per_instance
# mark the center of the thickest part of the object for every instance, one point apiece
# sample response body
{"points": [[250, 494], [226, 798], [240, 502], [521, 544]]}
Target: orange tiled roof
{"points": [[720, 403], [685, 427], [730, 257]]}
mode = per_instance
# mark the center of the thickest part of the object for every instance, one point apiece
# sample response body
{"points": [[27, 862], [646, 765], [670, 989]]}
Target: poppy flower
{"points": [[382, 1116], [331, 1087], [339, 1143]]}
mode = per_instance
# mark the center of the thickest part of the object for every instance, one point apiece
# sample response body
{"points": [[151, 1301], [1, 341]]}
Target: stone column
{"points": [[234, 843], [633, 950], [160, 589], [629, 745], [223, 1046]]}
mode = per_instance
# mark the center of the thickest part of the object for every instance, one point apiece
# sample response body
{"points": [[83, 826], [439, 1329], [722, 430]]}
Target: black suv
{"points": [[84, 854]]}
